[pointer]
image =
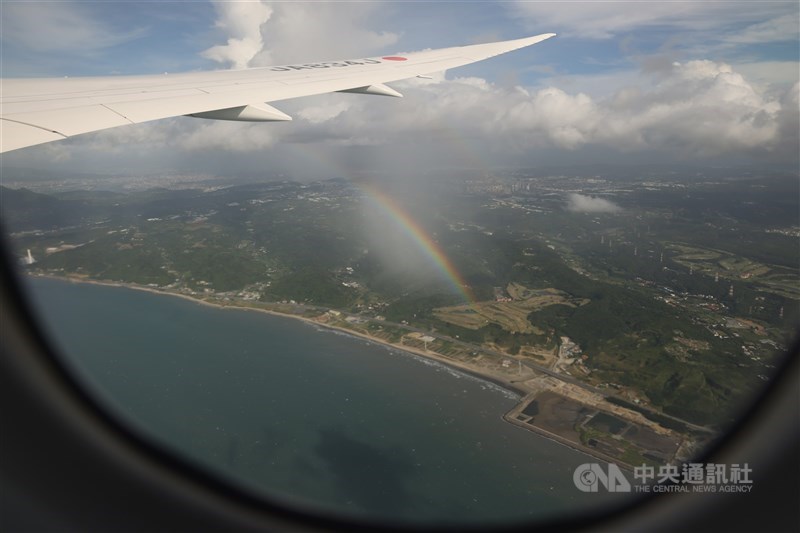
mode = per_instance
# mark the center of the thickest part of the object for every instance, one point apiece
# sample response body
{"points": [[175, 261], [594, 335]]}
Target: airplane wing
{"points": [[36, 111]]}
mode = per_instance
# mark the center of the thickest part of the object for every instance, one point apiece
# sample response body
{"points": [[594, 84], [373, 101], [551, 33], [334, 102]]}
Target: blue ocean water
{"points": [[307, 415]]}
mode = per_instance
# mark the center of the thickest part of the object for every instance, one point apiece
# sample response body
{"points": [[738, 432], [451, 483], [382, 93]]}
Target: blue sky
{"points": [[696, 82]]}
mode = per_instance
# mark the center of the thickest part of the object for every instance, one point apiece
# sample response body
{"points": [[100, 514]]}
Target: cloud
{"points": [[690, 111], [242, 22], [781, 28], [766, 74], [685, 111], [272, 33], [229, 136], [579, 203], [301, 31], [601, 19], [59, 27], [789, 123], [139, 138], [696, 109], [323, 113], [700, 108]]}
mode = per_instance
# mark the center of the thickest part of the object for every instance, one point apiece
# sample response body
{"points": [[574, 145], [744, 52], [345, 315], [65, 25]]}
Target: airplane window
{"points": [[541, 284]]}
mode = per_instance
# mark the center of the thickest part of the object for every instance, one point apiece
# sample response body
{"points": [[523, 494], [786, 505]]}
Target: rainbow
{"points": [[420, 237], [450, 137]]}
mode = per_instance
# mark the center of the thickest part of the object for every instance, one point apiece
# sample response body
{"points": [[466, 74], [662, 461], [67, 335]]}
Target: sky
{"points": [[636, 82]]}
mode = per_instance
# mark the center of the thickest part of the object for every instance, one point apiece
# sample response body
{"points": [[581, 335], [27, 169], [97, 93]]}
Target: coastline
{"points": [[507, 385]]}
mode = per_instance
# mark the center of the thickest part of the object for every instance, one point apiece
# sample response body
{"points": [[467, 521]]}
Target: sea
{"points": [[306, 416]]}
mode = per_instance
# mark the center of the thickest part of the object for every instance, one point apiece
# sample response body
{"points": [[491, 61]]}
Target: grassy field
{"points": [[510, 316]]}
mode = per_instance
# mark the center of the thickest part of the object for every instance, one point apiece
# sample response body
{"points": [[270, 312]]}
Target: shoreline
{"points": [[507, 386]]}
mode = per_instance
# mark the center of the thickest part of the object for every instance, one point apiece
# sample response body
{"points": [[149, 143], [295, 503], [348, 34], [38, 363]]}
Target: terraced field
{"points": [[511, 316]]}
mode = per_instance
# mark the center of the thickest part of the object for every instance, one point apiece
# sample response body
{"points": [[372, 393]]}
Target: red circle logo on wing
{"points": [[395, 58]]}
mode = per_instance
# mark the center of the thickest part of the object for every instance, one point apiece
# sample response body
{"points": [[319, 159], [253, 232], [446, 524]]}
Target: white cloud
{"points": [[59, 27], [242, 22], [305, 31], [567, 121], [698, 109], [701, 108], [272, 33], [580, 203]]}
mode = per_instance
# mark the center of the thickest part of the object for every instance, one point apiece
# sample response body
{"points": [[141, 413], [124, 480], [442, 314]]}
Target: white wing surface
{"points": [[41, 110]]}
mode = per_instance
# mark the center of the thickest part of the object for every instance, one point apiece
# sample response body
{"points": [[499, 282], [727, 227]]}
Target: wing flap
{"points": [[14, 135], [72, 121]]}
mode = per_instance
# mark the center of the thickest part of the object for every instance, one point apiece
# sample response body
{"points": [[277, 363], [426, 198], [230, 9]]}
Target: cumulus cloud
{"points": [[242, 22], [696, 109], [270, 33], [317, 31], [686, 111], [692, 110], [580, 203]]}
